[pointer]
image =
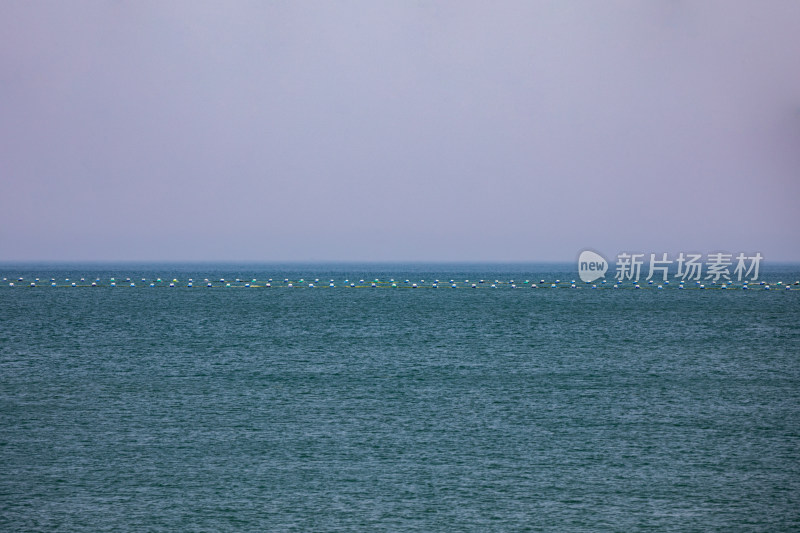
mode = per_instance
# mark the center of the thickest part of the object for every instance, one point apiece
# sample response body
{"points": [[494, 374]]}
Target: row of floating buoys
{"points": [[375, 283]]}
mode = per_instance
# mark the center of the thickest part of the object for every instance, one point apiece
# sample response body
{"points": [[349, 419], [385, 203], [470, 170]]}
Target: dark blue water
{"points": [[164, 409]]}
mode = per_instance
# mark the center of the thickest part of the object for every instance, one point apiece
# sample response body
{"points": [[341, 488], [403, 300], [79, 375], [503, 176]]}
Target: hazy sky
{"points": [[363, 130]]}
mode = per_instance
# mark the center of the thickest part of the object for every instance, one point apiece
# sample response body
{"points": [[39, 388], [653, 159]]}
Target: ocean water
{"points": [[394, 409]]}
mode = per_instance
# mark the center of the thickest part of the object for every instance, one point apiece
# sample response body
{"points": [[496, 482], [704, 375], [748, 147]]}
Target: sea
{"points": [[521, 403]]}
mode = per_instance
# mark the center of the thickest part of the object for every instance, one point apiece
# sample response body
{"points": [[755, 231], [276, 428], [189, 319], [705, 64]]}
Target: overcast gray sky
{"points": [[362, 130]]}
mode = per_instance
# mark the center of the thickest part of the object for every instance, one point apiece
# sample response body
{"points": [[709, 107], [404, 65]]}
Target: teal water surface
{"points": [[323, 409]]}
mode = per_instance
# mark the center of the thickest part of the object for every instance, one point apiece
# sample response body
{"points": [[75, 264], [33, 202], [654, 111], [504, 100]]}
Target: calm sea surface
{"points": [[394, 409]]}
